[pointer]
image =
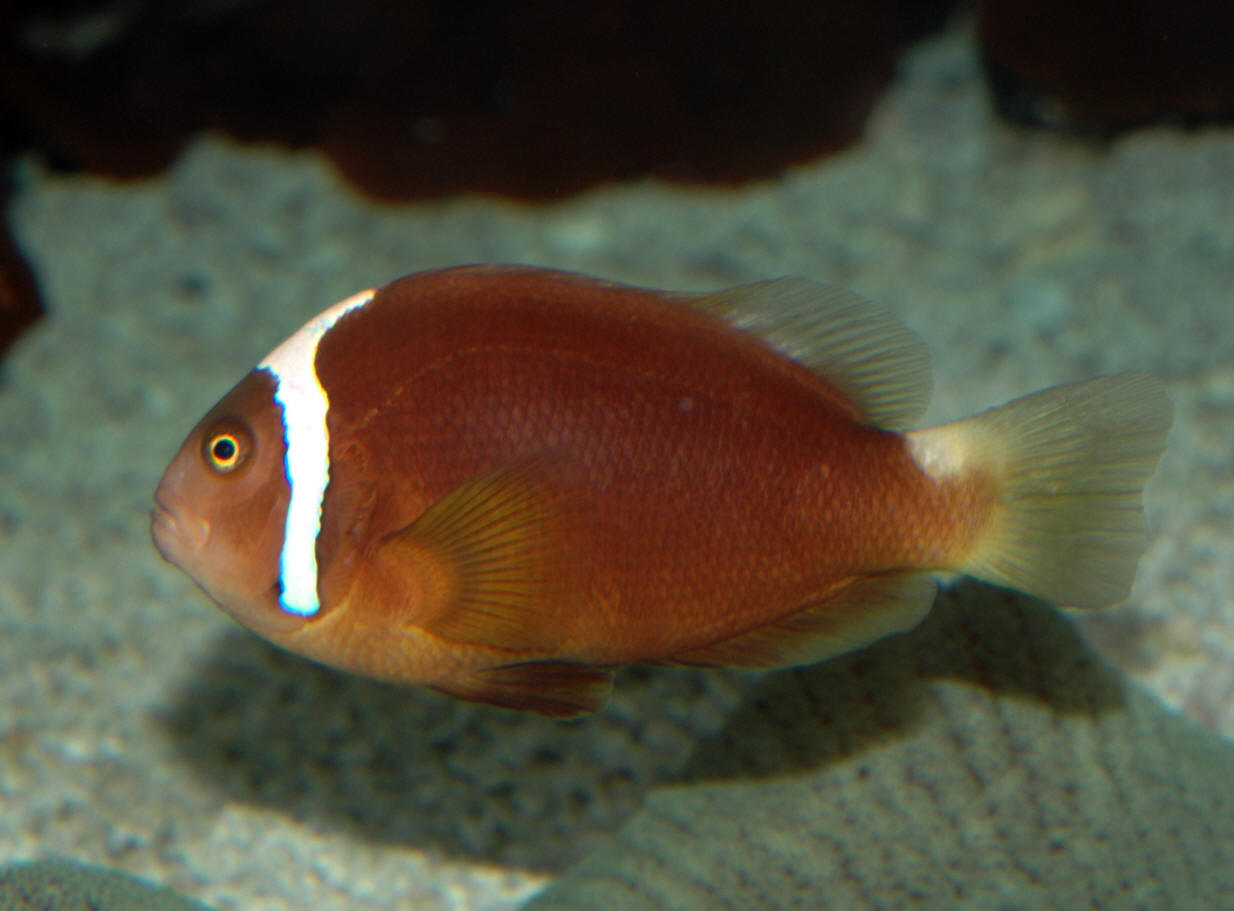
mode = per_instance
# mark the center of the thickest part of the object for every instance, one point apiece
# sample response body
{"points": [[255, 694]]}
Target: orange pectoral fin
{"points": [[493, 559], [558, 689], [861, 611]]}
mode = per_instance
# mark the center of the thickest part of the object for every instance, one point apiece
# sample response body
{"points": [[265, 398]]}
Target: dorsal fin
{"points": [[858, 346]]}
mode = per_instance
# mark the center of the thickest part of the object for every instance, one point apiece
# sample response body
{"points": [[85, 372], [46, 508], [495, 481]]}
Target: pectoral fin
{"points": [[492, 558], [559, 689], [861, 611]]}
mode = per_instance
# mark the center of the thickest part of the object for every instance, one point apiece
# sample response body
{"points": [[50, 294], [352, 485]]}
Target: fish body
{"points": [[504, 482]]}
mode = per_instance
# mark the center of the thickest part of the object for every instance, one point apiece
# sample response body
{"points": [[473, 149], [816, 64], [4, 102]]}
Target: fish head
{"points": [[221, 507]]}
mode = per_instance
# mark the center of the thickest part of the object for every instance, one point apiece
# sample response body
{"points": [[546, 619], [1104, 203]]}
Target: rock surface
{"points": [[985, 760]]}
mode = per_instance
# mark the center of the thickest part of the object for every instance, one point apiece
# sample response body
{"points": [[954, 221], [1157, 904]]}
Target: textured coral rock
{"points": [[61, 885], [987, 759]]}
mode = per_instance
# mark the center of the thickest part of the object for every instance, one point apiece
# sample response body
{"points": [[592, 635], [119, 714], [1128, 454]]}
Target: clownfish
{"points": [[505, 482]]}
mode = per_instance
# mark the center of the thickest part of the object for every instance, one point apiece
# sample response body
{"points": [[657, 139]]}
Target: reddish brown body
{"points": [[534, 477], [718, 484]]}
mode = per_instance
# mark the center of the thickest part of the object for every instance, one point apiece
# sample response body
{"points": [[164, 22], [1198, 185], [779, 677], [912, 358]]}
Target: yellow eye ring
{"points": [[224, 451], [226, 447]]}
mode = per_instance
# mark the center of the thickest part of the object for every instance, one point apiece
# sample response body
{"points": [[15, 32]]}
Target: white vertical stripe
{"points": [[307, 462]]}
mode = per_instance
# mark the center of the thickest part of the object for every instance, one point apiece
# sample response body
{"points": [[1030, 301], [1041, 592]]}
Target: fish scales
{"points": [[535, 477], [713, 475]]}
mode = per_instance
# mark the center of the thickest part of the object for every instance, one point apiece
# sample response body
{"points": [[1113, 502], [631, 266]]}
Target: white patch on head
{"points": [[307, 463]]}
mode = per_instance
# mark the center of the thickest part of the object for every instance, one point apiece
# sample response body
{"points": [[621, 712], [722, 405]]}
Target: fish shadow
{"points": [[1009, 645], [405, 765]]}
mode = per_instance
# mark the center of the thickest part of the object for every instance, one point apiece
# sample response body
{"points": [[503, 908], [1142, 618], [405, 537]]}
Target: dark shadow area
{"points": [[422, 99], [21, 305], [1003, 642], [425, 98], [409, 766], [1100, 67], [406, 765]]}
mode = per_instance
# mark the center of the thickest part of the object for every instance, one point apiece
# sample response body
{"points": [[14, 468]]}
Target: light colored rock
{"points": [[985, 760]]}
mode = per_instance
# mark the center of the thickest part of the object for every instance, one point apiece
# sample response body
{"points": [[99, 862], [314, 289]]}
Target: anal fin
{"points": [[861, 611], [558, 689]]}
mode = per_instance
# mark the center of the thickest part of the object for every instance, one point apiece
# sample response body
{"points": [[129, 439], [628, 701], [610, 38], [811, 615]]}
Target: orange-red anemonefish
{"points": [[505, 482]]}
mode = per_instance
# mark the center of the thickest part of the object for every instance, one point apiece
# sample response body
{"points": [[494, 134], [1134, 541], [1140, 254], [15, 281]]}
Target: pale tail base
{"points": [[1070, 464]]}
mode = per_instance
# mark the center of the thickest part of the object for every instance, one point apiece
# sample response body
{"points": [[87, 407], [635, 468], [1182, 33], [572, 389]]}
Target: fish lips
{"points": [[177, 537], [180, 538]]}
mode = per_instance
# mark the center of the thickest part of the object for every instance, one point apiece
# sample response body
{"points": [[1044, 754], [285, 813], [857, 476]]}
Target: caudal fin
{"points": [[1070, 464]]}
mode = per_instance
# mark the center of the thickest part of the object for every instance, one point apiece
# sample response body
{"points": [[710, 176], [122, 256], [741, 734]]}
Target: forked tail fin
{"points": [[1070, 464]]}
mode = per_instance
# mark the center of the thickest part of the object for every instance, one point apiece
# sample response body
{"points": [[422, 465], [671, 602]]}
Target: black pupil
{"points": [[224, 449]]}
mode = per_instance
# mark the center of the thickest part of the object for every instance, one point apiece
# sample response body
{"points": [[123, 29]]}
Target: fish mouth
{"points": [[163, 530], [175, 537]]}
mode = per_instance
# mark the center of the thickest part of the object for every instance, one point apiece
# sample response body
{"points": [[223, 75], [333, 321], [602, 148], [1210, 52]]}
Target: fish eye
{"points": [[227, 447]]}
